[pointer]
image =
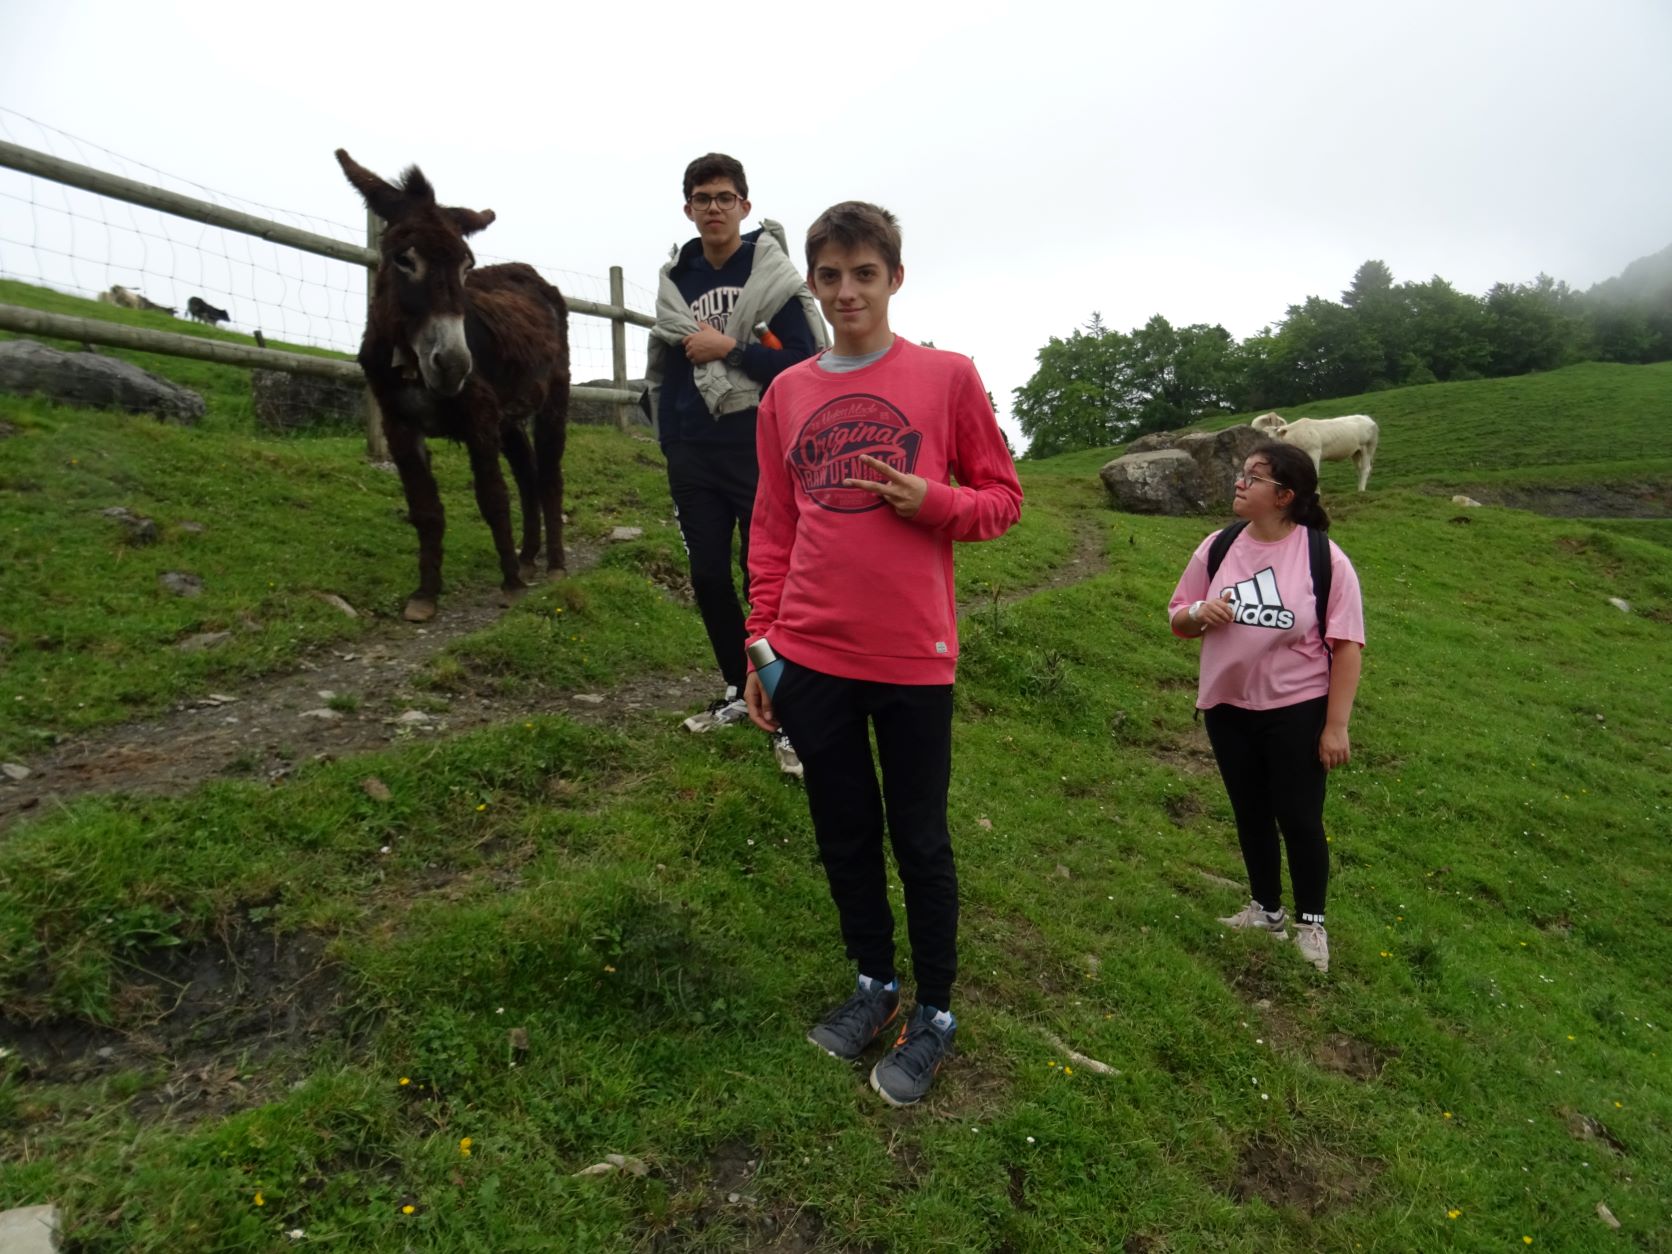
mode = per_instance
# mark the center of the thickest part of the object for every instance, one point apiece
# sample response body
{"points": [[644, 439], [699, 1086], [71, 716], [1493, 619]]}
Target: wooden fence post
{"points": [[377, 448], [618, 345]]}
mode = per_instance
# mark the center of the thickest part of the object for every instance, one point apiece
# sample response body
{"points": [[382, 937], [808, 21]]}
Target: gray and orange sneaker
{"points": [[907, 1071], [847, 1031]]}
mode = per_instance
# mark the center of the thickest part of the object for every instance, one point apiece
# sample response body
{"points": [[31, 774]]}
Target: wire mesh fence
{"points": [[86, 244]]}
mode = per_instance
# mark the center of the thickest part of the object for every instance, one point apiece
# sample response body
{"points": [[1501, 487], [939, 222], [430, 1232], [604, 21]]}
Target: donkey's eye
{"points": [[406, 261]]}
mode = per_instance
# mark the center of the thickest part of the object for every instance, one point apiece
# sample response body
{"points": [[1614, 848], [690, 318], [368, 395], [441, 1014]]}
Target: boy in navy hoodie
{"points": [[707, 369]]}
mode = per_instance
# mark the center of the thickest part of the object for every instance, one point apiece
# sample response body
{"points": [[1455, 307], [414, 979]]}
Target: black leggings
{"points": [[827, 718], [713, 489], [1269, 762]]}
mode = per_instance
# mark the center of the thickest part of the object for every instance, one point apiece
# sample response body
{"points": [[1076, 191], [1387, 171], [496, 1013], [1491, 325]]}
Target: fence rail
{"points": [[94, 331]]}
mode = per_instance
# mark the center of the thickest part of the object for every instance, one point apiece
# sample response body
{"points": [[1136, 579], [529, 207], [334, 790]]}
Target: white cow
{"points": [[1328, 439]]}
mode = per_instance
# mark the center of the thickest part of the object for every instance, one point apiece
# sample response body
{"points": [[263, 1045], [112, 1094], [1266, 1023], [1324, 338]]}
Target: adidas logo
{"points": [[1255, 603]]}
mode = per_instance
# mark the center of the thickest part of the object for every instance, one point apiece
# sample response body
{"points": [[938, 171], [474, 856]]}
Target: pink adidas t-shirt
{"points": [[1272, 655]]}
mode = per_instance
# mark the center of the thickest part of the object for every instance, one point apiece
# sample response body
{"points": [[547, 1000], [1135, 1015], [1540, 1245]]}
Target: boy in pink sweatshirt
{"points": [[850, 570]]}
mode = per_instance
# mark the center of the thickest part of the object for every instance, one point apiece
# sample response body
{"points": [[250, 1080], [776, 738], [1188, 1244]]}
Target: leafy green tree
{"points": [[1533, 326], [1071, 400]]}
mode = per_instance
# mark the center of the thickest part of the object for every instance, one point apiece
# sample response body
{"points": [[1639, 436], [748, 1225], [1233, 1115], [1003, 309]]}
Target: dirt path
{"points": [[266, 728]]}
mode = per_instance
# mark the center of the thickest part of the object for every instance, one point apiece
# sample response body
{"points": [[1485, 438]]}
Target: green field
{"points": [[563, 943]]}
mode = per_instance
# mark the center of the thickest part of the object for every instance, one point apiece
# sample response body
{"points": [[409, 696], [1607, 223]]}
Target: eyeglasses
{"points": [[1248, 477], [725, 200]]}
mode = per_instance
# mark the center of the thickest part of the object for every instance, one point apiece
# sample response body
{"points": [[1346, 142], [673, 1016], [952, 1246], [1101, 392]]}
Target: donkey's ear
{"points": [[470, 221], [385, 201]]}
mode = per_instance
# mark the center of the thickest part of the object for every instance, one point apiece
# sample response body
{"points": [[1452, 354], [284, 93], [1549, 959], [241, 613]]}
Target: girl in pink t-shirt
{"points": [[1275, 698]]}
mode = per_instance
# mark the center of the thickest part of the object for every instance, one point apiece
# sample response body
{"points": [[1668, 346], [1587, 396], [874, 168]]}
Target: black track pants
{"points": [[713, 488], [827, 717], [1269, 762]]}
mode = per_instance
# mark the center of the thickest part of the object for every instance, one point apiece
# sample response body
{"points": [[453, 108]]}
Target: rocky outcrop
{"points": [[1193, 473], [93, 381]]}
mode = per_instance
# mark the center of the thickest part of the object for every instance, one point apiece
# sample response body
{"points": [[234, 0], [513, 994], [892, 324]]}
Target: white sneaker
{"points": [[1254, 915], [721, 712], [1313, 943], [788, 760]]}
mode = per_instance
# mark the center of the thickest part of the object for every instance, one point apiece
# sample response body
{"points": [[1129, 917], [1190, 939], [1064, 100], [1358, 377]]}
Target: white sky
{"points": [[1212, 162]]}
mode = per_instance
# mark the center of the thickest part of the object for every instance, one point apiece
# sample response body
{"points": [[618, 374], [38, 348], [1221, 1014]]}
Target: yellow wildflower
{"points": [[406, 1080], [408, 1209], [1445, 1114], [1453, 1214], [259, 1200]]}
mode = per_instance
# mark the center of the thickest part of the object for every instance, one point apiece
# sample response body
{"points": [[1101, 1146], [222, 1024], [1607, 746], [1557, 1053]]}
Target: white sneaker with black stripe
{"points": [[789, 762], [1313, 943], [721, 712], [1257, 917]]}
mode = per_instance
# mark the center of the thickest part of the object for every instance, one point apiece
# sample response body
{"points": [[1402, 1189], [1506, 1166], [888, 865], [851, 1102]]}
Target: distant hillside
{"points": [[1594, 439], [1645, 283]]}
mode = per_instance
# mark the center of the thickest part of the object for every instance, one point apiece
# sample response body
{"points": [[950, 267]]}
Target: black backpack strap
{"points": [[1222, 545], [1317, 552]]}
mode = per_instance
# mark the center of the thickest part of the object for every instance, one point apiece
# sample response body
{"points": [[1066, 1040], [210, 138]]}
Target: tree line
{"points": [[1100, 386]]}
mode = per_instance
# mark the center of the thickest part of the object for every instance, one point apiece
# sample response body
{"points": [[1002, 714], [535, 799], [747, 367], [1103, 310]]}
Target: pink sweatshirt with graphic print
{"points": [[838, 581], [1272, 655]]}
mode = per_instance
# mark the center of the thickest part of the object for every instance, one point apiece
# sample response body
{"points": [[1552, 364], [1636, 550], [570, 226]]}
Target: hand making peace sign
{"points": [[904, 493]]}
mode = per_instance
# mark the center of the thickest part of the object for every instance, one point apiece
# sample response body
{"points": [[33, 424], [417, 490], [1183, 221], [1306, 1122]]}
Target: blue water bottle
{"points": [[768, 665]]}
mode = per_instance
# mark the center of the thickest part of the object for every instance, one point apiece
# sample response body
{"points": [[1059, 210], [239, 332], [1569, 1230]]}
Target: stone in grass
{"points": [[337, 603], [621, 534], [323, 714], [1623, 606], [589, 698], [14, 771], [414, 718], [616, 1162], [140, 529], [376, 789], [203, 640], [29, 1230], [181, 583]]}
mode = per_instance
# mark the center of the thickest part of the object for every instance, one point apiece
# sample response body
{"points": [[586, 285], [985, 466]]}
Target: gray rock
{"points": [[29, 1230], [203, 640], [181, 583], [285, 402], [94, 381], [323, 714], [15, 771], [1623, 606], [602, 413], [626, 533], [589, 698], [1154, 442], [192, 528], [1195, 476]]}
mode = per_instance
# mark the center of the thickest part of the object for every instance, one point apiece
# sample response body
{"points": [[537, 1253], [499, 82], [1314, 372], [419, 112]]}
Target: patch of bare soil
{"points": [[266, 728], [1594, 500], [720, 1198], [1188, 752], [1347, 1055], [214, 1022], [1087, 560], [1303, 1178]]}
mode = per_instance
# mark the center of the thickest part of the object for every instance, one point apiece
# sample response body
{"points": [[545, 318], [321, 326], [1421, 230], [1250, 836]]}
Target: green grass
{"points": [[646, 908]]}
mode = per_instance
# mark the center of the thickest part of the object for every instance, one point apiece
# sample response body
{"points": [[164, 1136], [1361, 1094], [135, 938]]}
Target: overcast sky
{"points": [[1209, 162]]}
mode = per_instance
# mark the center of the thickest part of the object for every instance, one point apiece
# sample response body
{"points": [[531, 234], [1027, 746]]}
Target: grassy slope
{"points": [[649, 908], [1587, 423]]}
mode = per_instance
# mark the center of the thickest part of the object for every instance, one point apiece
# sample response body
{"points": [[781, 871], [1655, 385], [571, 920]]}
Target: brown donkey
{"points": [[468, 354]]}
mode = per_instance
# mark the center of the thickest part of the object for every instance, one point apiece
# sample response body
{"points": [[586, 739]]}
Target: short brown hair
{"points": [[851, 224], [716, 165]]}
